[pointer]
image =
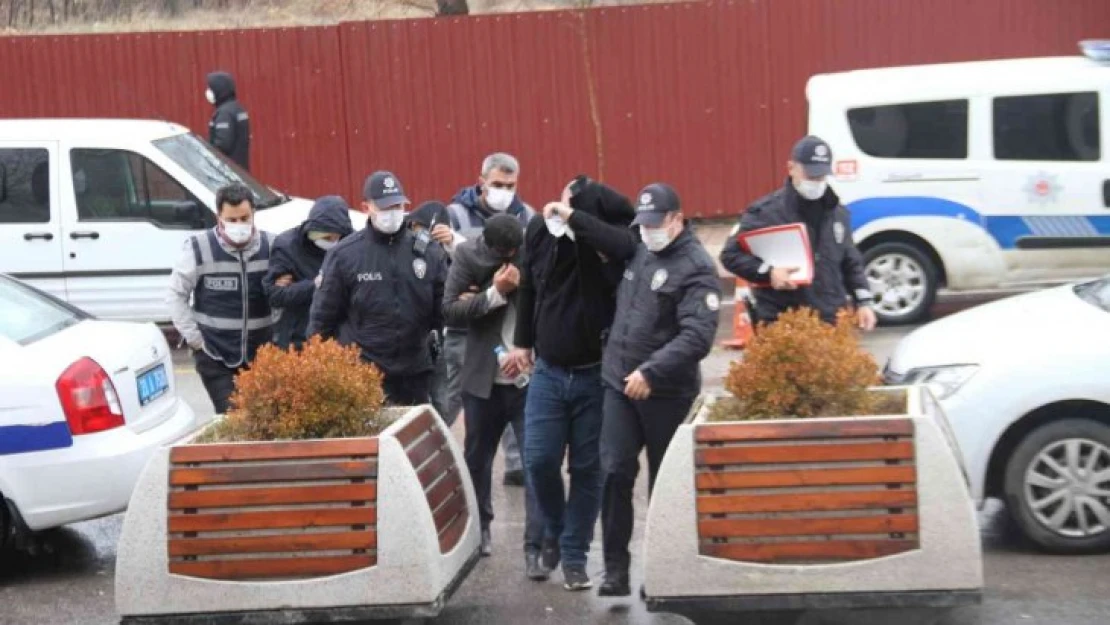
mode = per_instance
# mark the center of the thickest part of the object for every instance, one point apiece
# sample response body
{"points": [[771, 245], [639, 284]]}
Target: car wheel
{"points": [[1058, 486], [903, 280]]}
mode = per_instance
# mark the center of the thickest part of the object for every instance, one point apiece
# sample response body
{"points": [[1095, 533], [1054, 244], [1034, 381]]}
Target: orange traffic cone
{"points": [[741, 319]]}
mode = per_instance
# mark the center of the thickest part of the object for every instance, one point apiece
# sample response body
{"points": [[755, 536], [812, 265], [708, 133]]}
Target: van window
{"points": [[117, 185], [24, 186], [913, 130], [215, 170], [1047, 127]]}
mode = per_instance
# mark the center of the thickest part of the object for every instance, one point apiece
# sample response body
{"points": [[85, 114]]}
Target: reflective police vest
{"points": [[229, 303]]}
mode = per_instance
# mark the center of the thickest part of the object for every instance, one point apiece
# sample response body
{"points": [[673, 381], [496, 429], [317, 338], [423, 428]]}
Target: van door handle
{"points": [[31, 236], [84, 235], [1106, 193]]}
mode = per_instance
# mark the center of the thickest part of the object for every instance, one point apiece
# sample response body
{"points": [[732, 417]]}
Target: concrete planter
{"points": [[300, 531], [813, 514]]}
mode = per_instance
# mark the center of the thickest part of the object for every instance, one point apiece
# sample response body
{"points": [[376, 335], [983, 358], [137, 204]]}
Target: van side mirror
{"points": [[191, 214]]}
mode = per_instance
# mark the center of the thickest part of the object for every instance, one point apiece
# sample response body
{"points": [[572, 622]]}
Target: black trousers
{"points": [[628, 426], [218, 380], [486, 420], [407, 390]]}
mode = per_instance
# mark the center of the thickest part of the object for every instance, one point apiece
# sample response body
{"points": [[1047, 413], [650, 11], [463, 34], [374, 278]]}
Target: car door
{"points": [[30, 222], [1049, 181], [123, 232]]}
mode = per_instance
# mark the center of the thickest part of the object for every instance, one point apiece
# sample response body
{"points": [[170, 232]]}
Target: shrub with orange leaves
{"points": [[801, 367], [324, 390]]}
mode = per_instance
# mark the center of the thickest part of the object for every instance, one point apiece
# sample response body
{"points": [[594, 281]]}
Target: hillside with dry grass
{"points": [[85, 16]]}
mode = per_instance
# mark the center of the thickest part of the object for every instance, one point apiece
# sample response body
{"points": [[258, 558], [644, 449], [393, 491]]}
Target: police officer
{"points": [[226, 322], [382, 290], [667, 312], [838, 267], [229, 130]]}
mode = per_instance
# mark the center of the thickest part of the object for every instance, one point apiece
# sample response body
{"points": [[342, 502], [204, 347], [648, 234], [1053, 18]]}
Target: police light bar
{"points": [[1096, 49]]}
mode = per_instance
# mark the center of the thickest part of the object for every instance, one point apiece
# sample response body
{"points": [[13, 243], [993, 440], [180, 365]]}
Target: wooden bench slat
{"points": [[269, 568], [800, 430], [725, 480], [273, 519], [838, 550], [778, 454], [443, 488], [424, 422], [236, 452], [800, 502], [273, 473], [745, 528], [272, 544], [425, 449], [450, 535], [453, 506], [436, 467], [275, 496]]}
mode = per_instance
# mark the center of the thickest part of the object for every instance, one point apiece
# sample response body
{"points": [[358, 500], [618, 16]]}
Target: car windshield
{"points": [[27, 315], [215, 170], [1096, 293]]}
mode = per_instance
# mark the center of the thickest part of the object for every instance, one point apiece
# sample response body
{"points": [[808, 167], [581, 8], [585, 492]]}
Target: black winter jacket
{"points": [[377, 293], [229, 130], [295, 255], [838, 266]]}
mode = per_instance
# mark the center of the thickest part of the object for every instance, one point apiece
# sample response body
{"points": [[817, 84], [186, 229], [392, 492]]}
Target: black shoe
{"points": [[575, 578], [487, 544], [514, 478], [551, 555], [615, 585], [534, 570]]}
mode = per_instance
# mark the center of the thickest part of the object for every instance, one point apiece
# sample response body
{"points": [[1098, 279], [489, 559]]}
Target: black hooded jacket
{"points": [[295, 255], [567, 293], [229, 130]]}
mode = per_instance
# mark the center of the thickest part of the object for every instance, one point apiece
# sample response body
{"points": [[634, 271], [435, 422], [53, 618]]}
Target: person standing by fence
{"points": [[229, 130]]}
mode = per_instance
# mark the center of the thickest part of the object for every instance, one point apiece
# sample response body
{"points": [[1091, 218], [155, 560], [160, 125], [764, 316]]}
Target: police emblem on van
{"points": [[419, 267], [658, 279], [218, 283], [1042, 188]]}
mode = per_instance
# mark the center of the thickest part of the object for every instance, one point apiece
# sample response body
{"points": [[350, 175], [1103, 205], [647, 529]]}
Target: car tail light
{"points": [[89, 398]]}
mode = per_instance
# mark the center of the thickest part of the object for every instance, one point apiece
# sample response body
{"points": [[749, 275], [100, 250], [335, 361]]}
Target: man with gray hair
{"points": [[494, 194]]}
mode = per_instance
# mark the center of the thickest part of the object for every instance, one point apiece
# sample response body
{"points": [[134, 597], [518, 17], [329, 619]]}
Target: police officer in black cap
{"points": [[667, 314], [382, 290], [838, 266]]}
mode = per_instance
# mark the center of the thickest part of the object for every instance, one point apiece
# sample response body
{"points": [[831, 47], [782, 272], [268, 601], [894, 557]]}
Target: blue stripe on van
{"points": [[1004, 229], [21, 439]]}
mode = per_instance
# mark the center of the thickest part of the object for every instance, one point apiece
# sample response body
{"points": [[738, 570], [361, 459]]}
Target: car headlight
{"points": [[944, 381]]}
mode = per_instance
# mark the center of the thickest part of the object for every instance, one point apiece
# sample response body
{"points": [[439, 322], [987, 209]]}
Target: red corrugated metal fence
{"points": [[706, 95]]}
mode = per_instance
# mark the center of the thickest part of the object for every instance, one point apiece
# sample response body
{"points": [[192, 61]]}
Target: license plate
{"points": [[152, 384]]}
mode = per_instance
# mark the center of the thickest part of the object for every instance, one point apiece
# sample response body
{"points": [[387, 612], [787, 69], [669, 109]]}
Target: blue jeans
{"points": [[563, 414]]}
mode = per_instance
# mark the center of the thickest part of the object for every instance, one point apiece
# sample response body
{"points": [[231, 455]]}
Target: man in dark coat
{"points": [[295, 265], [229, 130]]}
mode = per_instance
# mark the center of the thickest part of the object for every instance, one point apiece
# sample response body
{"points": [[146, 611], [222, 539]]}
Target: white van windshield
{"points": [[215, 170]]}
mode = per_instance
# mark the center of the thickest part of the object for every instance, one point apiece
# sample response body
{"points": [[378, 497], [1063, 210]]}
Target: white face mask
{"points": [[811, 189], [388, 221], [325, 244], [238, 233], [556, 226], [655, 239], [499, 199], [211, 97]]}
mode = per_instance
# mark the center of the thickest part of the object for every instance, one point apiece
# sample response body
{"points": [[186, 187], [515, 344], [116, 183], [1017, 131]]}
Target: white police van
{"points": [[971, 176]]}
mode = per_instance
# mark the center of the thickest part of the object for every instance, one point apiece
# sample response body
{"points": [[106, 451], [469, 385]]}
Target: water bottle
{"points": [[522, 378]]}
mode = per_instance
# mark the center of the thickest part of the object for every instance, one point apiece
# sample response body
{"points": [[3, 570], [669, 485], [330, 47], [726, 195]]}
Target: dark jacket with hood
{"points": [[567, 293], [667, 308], [295, 255], [469, 215], [837, 264], [229, 130], [379, 293]]}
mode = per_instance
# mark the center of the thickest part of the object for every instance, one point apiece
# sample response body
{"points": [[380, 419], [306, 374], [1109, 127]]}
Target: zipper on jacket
{"points": [[246, 308]]}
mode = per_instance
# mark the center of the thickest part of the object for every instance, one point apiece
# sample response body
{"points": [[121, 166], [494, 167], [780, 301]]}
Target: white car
{"points": [[83, 404], [1025, 383]]}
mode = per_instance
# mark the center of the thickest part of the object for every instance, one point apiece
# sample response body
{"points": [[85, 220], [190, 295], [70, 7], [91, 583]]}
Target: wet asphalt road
{"points": [[70, 581]]}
